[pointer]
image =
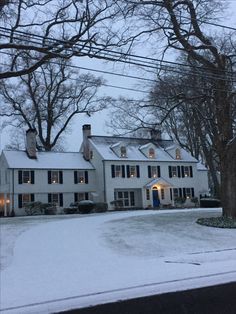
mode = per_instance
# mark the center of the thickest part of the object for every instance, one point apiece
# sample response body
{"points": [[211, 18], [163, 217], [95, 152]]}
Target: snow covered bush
{"points": [[86, 206], [100, 207]]}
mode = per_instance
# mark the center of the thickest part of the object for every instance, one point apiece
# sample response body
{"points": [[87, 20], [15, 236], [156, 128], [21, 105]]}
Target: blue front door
{"points": [[155, 198]]}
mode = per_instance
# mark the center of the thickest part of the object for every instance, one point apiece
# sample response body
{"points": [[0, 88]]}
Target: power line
{"points": [[145, 64], [111, 55], [120, 75]]}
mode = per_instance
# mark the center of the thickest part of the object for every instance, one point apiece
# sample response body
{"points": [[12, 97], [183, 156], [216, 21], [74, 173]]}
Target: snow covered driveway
{"points": [[52, 264]]}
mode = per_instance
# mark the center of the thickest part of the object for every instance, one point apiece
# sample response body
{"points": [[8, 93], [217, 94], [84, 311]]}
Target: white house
{"points": [[128, 172]]}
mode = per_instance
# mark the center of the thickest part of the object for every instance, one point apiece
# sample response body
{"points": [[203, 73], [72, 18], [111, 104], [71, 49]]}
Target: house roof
{"points": [[134, 148], [160, 181], [46, 160]]}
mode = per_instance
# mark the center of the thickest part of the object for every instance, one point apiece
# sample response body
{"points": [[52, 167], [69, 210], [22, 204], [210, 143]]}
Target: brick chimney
{"points": [[86, 133], [31, 143], [155, 134]]}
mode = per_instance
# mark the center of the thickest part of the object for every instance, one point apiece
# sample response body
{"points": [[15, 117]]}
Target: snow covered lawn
{"points": [[56, 263]]}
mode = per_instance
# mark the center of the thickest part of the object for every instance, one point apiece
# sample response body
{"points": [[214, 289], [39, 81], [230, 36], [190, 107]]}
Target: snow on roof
{"points": [[46, 160], [200, 166], [104, 143]]}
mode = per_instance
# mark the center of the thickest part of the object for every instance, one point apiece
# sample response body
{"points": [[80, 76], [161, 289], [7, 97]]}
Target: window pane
{"points": [[55, 176], [26, 177]]}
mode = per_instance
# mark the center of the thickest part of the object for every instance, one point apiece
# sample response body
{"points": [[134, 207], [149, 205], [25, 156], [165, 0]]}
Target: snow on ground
{"points": [[56, 263]]}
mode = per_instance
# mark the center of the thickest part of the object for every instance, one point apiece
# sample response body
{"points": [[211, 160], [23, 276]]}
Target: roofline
{"points": [[130, 138]]}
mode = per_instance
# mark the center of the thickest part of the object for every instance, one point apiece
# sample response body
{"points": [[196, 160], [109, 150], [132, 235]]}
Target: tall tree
{"points": [[45, 30], [48, 99], [181, 24]]}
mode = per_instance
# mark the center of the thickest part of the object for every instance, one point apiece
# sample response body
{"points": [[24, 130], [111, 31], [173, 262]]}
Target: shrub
{"points": [[85, 207], [49, 208], [34, 208], [100, 207], [209, 202], [70, 210], [117, 204]]}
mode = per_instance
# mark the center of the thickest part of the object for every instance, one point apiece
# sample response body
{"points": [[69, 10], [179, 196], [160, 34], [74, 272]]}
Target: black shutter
{"points": [[32, 177], [60, 177], [49, 178], [86, 195], [178, 169], [61, 200], [75, 197], [192, 192], [20, 200], [113, 171], [180, 192], [184, 192], [182, 170], [191, 171], [20, 177], [86, 177], [170, 171], [49, 198], [149, 172], [75, 177], [128, 171], [137, 171], [171, 197], [158, 171], [32, 198], [123, 171]]}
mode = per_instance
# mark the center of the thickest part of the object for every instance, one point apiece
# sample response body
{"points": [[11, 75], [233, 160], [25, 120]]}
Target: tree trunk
{"points": [[228, 181]]}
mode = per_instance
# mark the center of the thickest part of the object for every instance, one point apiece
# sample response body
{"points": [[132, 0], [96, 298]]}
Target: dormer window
{"points": [[177, 153], [151, 153], [123, 152]]}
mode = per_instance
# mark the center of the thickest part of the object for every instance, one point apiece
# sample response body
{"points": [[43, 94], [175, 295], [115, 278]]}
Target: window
{"points": [[81, 177], [81, 197], [24, 199], [187, 171], [173, 171], [188, 193], [56, 198], [177, 153], [154, 171], [26, 176], [126, 198], [147, 194], [151, 153], [118, 171], [175, 193], [55, 177], [123, 152], [132, 171], [162, 194]]}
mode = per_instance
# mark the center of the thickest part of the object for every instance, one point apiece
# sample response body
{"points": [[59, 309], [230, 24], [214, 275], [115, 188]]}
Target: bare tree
{"points": [[48, 99], [181, 24], [43, 30]]}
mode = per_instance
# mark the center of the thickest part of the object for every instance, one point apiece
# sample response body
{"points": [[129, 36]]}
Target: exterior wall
{"points": [[41, 188], [198, 181], [99, 165], [5, 180]]}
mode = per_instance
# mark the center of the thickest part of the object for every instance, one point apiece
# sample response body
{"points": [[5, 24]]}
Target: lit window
{"points": [[133, 171], [177, 153], [123, 151], [174, 171], [55, 176], [154, 171], [188, 193], [151, 153], [26, 178], [81, 177], [187, 171], [26, 199]]}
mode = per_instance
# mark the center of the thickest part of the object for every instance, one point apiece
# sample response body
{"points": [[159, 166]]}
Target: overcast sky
{"points": [[98, 121]]}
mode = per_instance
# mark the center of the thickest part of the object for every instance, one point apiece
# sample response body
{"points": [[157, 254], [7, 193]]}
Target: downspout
{"points": [[13, 195], [104, 181]]}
